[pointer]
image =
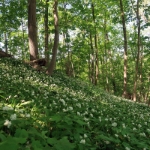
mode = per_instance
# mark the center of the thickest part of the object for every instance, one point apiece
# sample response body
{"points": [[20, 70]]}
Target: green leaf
{"points": [[37, 145], [64, 144], [22, 135], [2, 137], [51, 141], [56, 118], [8, 144], [80, 122]]}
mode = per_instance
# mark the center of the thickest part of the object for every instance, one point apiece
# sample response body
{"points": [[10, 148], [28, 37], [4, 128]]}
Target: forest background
{"points": [[106, 43]]}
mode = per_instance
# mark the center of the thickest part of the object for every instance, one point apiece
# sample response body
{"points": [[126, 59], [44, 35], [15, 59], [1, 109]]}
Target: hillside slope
{"points": [[41, 112]]}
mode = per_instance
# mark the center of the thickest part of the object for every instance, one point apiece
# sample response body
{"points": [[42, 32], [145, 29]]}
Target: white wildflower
{"points": [[116, 135], [82, 141], [106, 119], [134, 129], [93, 110], [28, 115], [86, 113], [78, 113], [123, 125], [143, 134], [70, 108], [114, 124], [13, 117], [127, 148], [78, 105], [62, 101], [91, 115], [7, 108], [107, 142], [100, 119], [86, 119], [85, 136], [88, 123], [65, 110], [148, 130], [7, 123], [139, 126]]}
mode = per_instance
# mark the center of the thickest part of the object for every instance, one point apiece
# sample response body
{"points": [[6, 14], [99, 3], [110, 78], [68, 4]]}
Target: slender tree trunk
{"points": [[138, 54], [92, 71], [142, 90], [46, 32], [32, 29], [24, 42], [6, 42], [56, 40], [106, 40], [125, 50], [96, 48], [89, 63]]}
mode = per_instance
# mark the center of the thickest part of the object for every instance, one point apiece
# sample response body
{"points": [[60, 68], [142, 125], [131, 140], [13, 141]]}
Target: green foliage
{"points": [[42, 112]]}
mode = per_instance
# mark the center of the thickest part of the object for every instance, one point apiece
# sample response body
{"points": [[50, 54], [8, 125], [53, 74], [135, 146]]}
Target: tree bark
{"points": [[51, 66], [125, 50], [92, 68], [96, 48], [46, 32], [32, 30], [6, 43], [138, 54]]}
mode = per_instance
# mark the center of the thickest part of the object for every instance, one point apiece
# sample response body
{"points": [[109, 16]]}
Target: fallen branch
{"points": [[4, 54]]}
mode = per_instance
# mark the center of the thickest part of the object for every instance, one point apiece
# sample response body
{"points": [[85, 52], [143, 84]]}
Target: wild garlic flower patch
{"points": [[37, 109]]}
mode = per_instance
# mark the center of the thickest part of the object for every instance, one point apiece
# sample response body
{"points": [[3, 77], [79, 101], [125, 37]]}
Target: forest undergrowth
{"points": [[41, 112]]}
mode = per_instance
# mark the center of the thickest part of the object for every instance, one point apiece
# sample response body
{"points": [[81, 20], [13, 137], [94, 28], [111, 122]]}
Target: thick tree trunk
{"points": [[56, 40], [125, 50], [32, 30]]}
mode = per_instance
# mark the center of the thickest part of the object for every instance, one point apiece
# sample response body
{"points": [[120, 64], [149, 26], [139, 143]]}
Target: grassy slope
{"points": [[61, 113]]}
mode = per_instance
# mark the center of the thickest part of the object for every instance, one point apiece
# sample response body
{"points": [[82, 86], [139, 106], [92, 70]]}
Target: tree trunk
{"points": [[138, 54], [56, 40], [6, 43], [125, 50], [46, 32], [96, 48], [92, 59], [106, 56], [32, 30]]}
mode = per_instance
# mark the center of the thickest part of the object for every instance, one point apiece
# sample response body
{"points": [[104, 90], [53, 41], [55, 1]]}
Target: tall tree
{"points": [[125, 49], [32, 30], [95, 45], [138, 49], [51, 66], [46, 31]]}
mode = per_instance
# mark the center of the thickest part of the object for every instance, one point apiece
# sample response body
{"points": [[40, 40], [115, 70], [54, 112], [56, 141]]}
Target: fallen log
{"points": [[37, 64], [4, 54]]}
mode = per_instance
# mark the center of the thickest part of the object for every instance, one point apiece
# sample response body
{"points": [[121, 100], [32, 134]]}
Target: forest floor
{"points": [[41, 112]]}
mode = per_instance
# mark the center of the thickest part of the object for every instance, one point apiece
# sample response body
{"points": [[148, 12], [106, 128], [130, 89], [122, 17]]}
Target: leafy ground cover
{"points": [[39, 112]]}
